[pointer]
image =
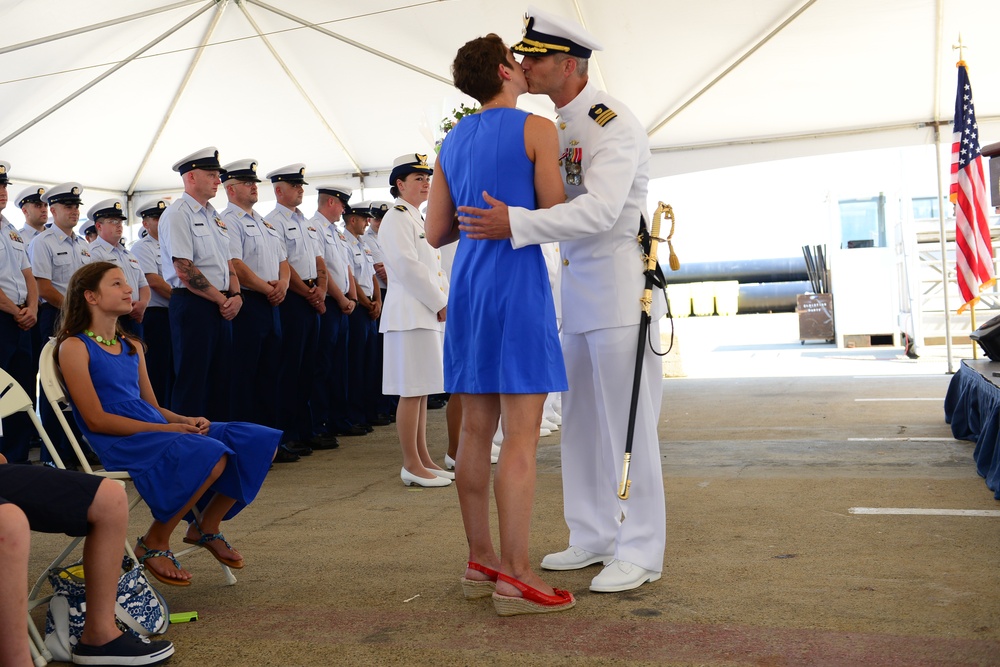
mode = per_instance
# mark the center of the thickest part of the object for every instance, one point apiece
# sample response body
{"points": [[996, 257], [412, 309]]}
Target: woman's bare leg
{"points": [[472, 475]]}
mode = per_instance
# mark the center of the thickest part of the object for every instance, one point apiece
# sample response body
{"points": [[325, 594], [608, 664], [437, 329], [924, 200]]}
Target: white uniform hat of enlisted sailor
{"points": [[107, 208], [151, 208], [207, 158], [4, 168], [30, 195], [338, 190], [241, 170], [292, 173], [546, 34], [64, 193]]}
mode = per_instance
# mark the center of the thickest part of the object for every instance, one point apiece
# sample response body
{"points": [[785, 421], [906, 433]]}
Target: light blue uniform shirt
{"points": [[362, 263], [147, 251], [255, 242], [301, 237], [191, 231], [13, 262], [336, 263], [102, 251], [371, 239], [55, 256], [28, 233]]}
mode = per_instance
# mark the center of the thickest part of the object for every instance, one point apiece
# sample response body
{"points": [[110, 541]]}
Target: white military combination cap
{"points": [[241, 170], [338, 190], [4, 169], [64, 193], [151, 208], [207, 158], [30, 195], [107, 208], [545, 34], [292, 173]]}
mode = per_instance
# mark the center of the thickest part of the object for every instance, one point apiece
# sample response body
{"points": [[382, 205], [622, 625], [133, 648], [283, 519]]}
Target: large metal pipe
{"points": [[771, 297], [742, 270]]}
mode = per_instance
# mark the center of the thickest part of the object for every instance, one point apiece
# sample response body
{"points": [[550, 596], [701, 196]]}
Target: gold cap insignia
{"points": [[118, 206], [75, 191]]}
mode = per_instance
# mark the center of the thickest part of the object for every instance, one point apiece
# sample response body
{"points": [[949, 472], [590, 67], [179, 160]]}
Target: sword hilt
{"points": [[626, 484]]}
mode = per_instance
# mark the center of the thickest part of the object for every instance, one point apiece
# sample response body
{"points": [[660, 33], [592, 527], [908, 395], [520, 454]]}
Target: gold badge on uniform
{"points": [[572, 161]]}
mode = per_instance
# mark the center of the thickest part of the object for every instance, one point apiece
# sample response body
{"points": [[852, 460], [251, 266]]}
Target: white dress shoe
{"points": [[554, 418], [620, 575], [573, 558], [542, 432], [444, 474], [498, 436], [449, 462], [410, 479], [495, 454], [551, 426]]}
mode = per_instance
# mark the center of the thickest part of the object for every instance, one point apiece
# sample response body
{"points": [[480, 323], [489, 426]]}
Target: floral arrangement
{"points": [[448, 122]]}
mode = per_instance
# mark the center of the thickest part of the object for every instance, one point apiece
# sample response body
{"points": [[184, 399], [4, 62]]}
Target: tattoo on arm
{"points": [[187, 271]]}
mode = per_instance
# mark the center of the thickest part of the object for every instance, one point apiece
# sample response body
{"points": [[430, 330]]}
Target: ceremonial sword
{"points": [[649, 241]]}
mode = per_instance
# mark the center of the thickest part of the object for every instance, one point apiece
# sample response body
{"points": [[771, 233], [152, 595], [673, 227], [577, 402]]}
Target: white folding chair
{"points": [[52, 386]]}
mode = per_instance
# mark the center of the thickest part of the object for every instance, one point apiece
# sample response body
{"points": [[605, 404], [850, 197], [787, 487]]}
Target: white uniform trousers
{"points": [[600, 366]]}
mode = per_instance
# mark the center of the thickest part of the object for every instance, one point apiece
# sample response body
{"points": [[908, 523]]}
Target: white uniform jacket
{"points": [[602, 277], [419, 287]]}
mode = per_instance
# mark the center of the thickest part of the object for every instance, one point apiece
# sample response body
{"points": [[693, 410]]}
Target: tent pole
{"points": [[944, 248], [95, 26], [72, 96], [351, 42], [753, 49], [595, 65], [177, 95], [298, 85]]}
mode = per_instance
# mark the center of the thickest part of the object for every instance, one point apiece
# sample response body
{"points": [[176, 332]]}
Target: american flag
{"points": [[974, 259]]}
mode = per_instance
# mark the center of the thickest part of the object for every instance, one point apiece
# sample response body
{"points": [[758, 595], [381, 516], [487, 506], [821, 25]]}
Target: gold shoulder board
{"points": [[602, 115], [400, 207]]}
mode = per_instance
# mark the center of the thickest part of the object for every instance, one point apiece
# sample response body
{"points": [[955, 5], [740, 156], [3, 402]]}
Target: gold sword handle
{"points": [[626, 484]]}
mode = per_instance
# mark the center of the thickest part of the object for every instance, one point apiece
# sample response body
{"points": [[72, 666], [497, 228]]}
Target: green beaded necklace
{"points": [[101, 339]]}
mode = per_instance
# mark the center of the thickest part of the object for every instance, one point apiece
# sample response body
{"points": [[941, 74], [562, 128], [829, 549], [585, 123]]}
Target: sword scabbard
{"points": [[626, 484]]}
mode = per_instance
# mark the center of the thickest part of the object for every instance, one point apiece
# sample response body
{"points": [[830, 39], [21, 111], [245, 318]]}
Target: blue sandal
{"points": [[157, 553], [203, 543]]}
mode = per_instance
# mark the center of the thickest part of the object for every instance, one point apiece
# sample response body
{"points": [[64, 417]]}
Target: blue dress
{"points": [[168, 468], [501, 334]]}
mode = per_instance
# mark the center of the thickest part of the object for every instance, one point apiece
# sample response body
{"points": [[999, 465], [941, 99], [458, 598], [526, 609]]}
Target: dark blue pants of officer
{"points": [[159, 353], [47, 316], [16, 359], [386, 404], [330, 388], [360, 360], [202, 342], [257, 361], [299, 340]]}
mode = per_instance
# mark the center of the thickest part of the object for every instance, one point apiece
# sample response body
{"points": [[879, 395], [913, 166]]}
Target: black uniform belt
{"points": [[310, 283]]}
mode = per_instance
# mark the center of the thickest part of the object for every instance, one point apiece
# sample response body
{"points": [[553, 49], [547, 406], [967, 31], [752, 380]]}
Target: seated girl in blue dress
{"points": [[176, 462]]}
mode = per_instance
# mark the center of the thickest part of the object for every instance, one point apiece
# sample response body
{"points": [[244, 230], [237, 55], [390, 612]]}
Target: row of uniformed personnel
{"points": [[302, 356]]}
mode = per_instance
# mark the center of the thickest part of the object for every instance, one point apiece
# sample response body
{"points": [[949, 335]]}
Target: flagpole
{"points": [[972, 318], [944, 253]]}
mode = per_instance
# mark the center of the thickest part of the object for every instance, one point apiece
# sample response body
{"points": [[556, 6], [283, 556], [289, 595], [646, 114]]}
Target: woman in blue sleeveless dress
{"points": [[176, 462], [501, 346]]}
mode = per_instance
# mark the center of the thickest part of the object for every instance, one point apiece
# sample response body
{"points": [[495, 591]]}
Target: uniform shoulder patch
{"points": [[602, 115], [400, 207]]}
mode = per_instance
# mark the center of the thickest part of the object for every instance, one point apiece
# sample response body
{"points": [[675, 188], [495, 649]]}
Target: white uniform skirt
{"points": [[413, 362]]}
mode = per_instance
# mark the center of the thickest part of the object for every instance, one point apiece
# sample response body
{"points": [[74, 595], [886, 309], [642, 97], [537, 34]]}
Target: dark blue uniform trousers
{"points": [[257, 361], [16, 359], [159, 353], [300, 336], [202, 342]]}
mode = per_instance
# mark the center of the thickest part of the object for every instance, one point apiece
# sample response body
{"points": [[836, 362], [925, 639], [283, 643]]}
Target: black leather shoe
{"points": [[285, 455], [435, 403], [367, 427], [352, 430], [380, 420], [300, 448], [323, 441]]}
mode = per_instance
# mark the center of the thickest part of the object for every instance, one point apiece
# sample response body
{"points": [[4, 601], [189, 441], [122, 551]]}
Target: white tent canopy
{"points": [[112, 93]]}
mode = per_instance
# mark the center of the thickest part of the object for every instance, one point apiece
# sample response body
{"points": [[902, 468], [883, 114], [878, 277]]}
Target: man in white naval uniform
{"points": [[605, 162], [35, 211]]}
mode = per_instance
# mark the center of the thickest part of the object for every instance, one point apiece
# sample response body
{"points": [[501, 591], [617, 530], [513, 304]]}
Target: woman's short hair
{"points": [[475, 67]]}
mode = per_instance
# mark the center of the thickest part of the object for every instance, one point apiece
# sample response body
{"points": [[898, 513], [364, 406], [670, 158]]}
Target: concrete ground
{"points": [[767, 445]]}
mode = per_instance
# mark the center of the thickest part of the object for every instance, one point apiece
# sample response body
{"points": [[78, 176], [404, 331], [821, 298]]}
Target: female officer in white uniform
{"points": [[413, 318]]}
